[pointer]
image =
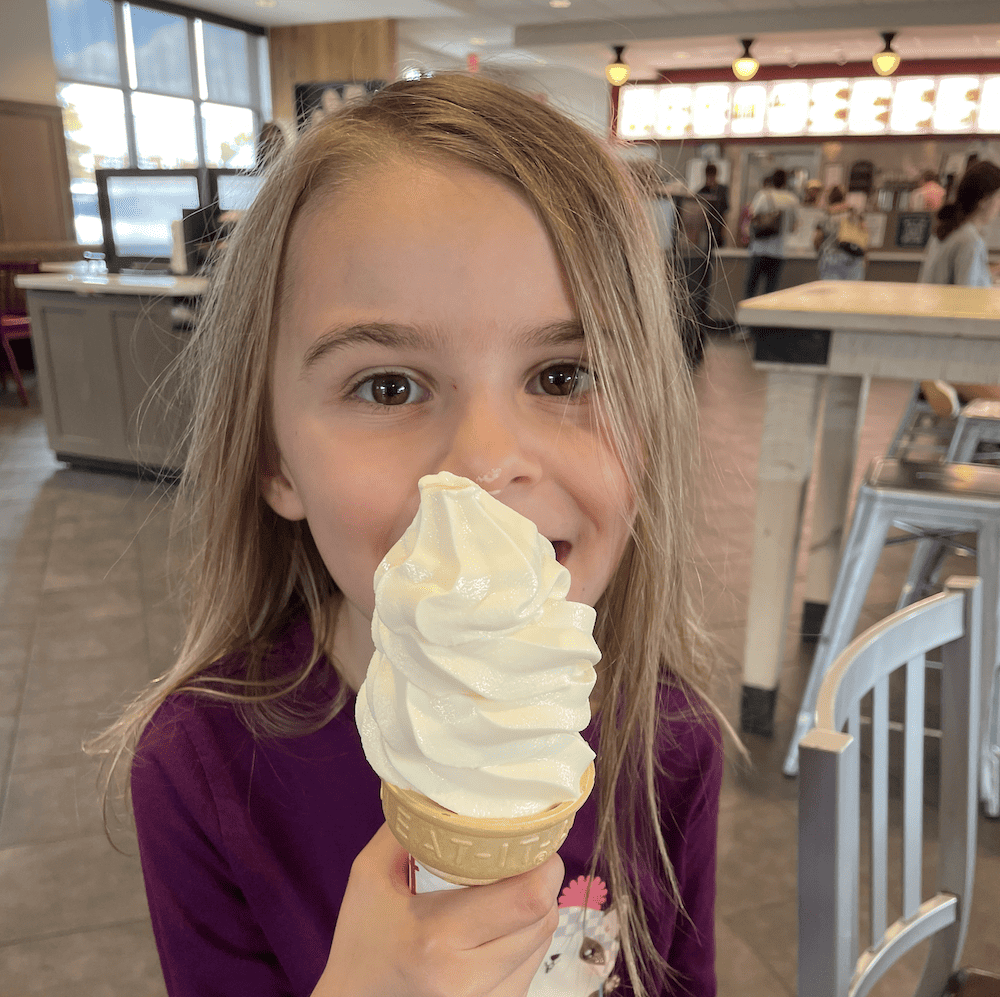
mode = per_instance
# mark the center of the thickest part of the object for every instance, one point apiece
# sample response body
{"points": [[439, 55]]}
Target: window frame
{"points": [[259, 104]]}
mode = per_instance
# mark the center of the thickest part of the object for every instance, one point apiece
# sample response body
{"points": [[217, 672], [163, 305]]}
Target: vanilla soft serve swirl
{"points": [[482, 671]]}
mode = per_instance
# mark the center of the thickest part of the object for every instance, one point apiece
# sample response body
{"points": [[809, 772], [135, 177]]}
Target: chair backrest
{"points": [[830, 801], [12, 298]]}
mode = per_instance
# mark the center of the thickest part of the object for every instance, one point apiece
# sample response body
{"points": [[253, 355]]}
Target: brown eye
{"points": [[390, 388], [566, 380]]}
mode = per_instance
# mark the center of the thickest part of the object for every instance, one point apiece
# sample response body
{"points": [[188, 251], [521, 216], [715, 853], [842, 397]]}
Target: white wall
{"points": [[27, 71], [585, 99]]}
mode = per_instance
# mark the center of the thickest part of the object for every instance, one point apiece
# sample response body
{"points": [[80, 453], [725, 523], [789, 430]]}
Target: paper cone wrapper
{"points": [[474, 851]]}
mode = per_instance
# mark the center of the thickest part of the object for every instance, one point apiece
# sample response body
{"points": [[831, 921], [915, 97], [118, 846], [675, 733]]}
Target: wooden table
{"points": [[821, 343]]}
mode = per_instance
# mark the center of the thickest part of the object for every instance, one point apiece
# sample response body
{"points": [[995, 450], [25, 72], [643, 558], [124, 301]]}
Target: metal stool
{"points": [[978, 423], [975, 439], [922, 434], [918, 497]]}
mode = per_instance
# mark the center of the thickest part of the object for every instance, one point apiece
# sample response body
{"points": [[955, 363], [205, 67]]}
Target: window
{"points": [[146, 85]]}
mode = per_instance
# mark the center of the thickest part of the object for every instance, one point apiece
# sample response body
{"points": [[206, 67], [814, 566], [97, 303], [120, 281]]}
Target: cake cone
{"points": [[474, 851]]}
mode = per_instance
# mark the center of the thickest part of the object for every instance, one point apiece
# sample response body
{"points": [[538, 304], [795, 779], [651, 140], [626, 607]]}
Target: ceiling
{"points": [[659, 34]]}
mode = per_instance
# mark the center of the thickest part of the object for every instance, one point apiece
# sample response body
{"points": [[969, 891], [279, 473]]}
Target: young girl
{"points": [[958, 255], [450, 276]]}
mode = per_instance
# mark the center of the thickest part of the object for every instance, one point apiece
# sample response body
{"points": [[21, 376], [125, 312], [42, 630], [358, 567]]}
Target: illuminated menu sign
{"points": [[908, 105]]}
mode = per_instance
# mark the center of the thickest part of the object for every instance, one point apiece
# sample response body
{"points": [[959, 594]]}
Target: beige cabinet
{"points": [[102, 361], [35, 206]]}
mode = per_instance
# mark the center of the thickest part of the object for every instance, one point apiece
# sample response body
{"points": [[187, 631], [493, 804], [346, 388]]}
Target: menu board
{"points": [[908, 105]]}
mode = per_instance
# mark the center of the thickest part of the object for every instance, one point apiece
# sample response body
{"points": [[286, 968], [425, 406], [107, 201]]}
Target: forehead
{"points": [[369, 202], [420, 241]]}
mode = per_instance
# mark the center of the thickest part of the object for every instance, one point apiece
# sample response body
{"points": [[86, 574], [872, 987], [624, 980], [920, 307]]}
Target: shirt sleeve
{"points": [[971, 264], [792, 211], [208, 943], [691, 821]]}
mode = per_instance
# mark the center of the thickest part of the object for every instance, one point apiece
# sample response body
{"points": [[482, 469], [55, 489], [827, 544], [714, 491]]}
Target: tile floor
{"points": [[86, 617]]}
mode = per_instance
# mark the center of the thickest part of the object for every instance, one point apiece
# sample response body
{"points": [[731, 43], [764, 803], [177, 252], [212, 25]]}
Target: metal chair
{"points": [[978, 423], [975, 439], [830, 799], [918, 498], [14, 321], [921, 434]]}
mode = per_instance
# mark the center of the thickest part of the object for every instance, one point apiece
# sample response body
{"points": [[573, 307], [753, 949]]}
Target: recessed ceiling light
{"points": [[267, 3], [477, 41], [559, 3]]}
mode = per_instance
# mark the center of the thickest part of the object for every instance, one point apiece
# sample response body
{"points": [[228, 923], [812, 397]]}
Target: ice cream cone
{"points": [[474, 851]]}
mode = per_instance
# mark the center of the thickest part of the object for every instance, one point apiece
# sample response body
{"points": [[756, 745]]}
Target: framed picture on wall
{"points": [[313, 101], [913, 229]]}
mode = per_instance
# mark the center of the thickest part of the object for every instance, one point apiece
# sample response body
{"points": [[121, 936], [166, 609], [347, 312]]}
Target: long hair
{"points": [[981, 180], [250, 570]]}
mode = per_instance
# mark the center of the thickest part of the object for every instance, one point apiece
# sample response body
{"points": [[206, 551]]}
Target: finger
{"points": [[384, 860], [481, 914], [519, 980], [516, 957]]}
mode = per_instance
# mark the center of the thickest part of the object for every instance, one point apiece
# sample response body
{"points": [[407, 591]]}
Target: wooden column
{"points": [[319, 53]]}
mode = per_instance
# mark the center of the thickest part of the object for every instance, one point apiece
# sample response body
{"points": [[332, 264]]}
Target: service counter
{"points": [[102, 345], [801, 268]]}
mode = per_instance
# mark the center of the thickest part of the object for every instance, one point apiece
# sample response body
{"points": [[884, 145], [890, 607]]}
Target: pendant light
{"points": [[746, 66], [617, 71], [887, 61]]}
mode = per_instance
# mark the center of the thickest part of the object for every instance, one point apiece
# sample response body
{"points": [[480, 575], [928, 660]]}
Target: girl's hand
{"points": [[485, 941]]}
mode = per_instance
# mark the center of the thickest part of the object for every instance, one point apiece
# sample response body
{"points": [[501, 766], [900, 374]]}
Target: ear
{"points": [[278, 490]]}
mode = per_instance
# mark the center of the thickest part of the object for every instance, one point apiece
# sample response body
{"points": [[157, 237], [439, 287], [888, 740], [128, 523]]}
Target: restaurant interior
{"points": [[124, 126]]}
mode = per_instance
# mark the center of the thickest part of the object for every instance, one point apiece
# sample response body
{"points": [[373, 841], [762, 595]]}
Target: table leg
{"points": [[843, 416], [786, 453]]}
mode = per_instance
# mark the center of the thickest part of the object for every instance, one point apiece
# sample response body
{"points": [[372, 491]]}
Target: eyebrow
{"points": [[403, 336]]}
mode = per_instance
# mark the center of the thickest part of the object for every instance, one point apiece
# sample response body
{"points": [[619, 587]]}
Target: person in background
{"points": [[693, 257], [270, 145], [840, 258], [930, 195], [812, 196], [715, 197], [767, 241], [957, 255]]}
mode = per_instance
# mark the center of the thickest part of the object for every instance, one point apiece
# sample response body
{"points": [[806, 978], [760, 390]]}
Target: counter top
{"points": [[920, 309], [154, 285], [874, 256]]}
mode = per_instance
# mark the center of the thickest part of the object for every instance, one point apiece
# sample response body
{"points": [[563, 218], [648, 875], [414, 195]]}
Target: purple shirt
{"points": [[246, 849]]}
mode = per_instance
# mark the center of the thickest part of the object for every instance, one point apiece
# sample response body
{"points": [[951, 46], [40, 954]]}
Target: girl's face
{"points": [[428, 327]]}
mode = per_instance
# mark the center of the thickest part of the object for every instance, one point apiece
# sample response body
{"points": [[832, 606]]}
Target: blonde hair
{"points": [[250, 571]]}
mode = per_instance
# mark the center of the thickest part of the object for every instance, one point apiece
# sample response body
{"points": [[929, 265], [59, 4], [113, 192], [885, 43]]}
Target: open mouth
{"points": [[562, 549]]}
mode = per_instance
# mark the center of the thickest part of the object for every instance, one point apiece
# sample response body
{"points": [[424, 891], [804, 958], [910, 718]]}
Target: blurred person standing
{"points": [[714, 196], [841, 240], [958, 255], [773, 216], [270, 145]]}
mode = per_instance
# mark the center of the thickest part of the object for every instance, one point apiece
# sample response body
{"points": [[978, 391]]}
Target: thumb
{"points": [[386, 860]]}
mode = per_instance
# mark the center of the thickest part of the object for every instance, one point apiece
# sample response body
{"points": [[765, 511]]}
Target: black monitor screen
{"points": [[141, 209], [237, 191]]}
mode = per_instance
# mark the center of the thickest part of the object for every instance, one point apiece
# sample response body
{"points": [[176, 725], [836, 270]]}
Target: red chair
{"points": [[14, 321]]}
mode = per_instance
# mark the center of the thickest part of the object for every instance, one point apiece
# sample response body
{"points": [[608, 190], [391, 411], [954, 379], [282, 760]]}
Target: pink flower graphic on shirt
{"points": [[576, 893]]}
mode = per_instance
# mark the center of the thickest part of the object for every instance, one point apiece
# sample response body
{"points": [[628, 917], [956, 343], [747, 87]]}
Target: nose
{"points": [[493, 443]]}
